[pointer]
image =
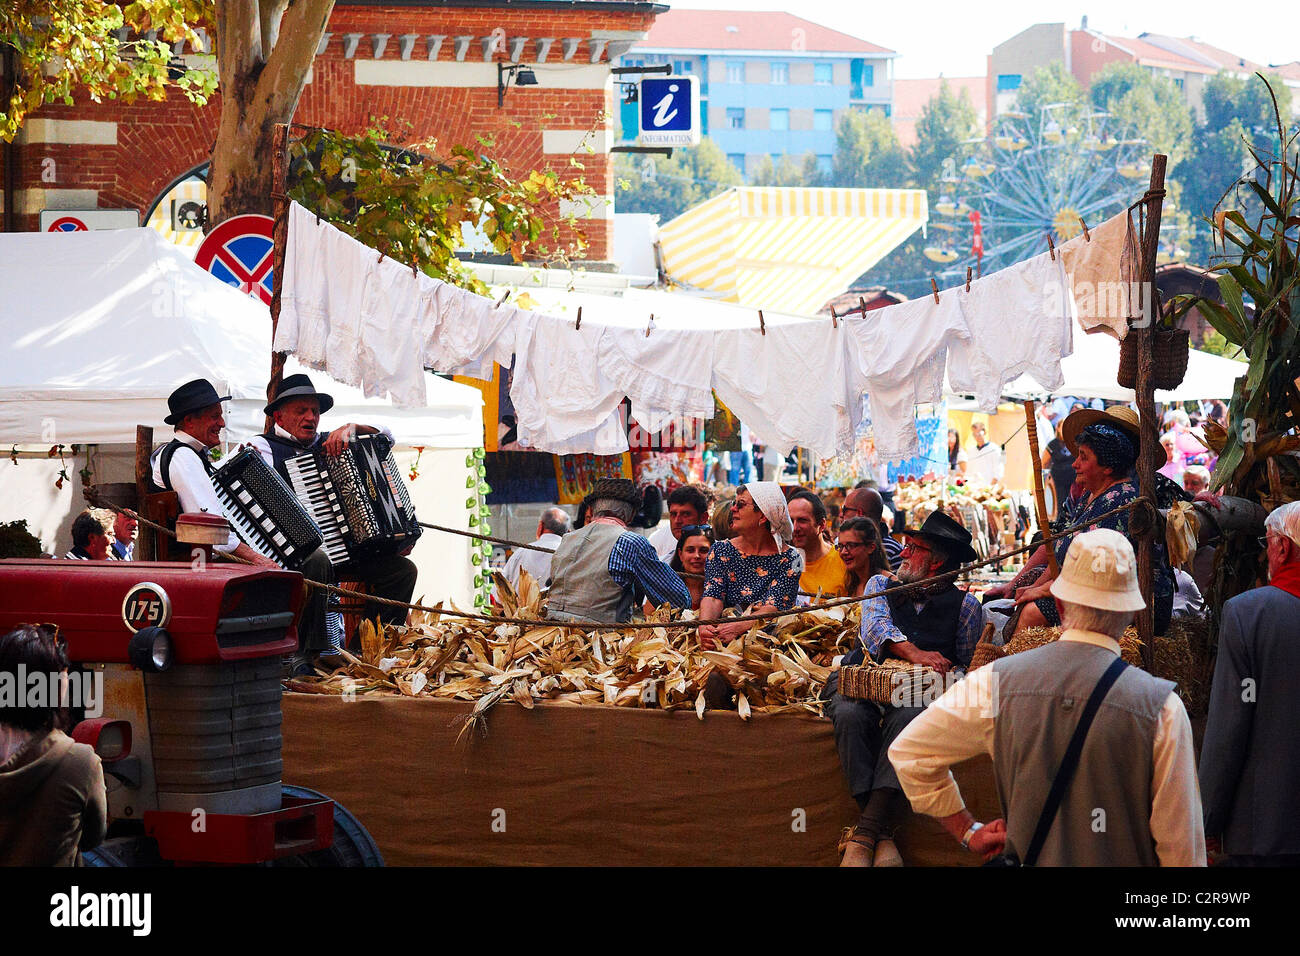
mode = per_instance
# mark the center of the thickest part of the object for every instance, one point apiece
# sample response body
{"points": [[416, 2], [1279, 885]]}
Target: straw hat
{"points": [[1120, 416], [1100, 570]]}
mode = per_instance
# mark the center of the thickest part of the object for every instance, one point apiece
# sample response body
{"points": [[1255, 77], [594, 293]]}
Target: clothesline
{"points": [[797, 380]]}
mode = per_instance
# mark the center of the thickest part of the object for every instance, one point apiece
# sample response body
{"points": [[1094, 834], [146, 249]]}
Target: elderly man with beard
{"points": [[935, 624]]}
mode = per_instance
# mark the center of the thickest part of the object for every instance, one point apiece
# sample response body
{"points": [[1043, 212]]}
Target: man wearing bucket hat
{"points": [[296, 411], [603, 571], [1250, 760], [934, 624], [1092, 758], [183, 465]]}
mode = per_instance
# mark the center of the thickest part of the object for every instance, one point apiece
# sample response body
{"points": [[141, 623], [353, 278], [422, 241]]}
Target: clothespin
{"points": [[1051, 246], [381, 256], [502, 300], [862, 305], [650, 325], [934, 287], [577, 325], [762, 323], [968, 271], [835, 319], [1087, 236]]}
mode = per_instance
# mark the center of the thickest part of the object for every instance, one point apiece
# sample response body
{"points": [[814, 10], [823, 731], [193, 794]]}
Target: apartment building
{"points": [[771, 84]]}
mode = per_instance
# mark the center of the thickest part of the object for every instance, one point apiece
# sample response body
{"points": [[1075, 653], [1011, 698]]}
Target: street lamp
{"points": [[523, 76]]}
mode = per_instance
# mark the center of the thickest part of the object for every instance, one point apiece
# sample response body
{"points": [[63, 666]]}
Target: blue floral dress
{"points": [[740, 580], [1082, 513]]}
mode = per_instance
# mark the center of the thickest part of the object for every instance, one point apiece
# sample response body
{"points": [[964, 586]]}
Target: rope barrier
{"points": [[687, 625]]}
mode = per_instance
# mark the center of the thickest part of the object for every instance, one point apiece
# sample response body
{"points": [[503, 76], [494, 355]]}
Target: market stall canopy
{"points": [[788, 249], [101, 326], [1090, 373]]}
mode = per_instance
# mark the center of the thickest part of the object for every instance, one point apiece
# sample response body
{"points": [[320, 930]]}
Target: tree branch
{"points": [[301, 26], [269, 13], [239, 42]]}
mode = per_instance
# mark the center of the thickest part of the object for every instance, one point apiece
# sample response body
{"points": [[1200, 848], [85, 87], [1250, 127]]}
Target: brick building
{"points": [[427, 63]]}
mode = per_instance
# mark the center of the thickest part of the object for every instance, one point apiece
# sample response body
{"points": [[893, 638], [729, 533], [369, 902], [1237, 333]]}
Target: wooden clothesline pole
{"points": [[1031, 433], [279, 240], [1149, 443]]}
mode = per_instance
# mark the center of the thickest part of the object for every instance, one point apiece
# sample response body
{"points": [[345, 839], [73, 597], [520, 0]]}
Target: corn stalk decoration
{"points": [[1256, 223]]}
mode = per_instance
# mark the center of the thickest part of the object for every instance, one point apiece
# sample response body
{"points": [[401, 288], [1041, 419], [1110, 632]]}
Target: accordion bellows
{"points": [[886, 683]]}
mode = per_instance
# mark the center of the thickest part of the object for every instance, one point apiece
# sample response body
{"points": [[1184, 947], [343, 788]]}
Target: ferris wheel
{"points": [[1033, 176]]}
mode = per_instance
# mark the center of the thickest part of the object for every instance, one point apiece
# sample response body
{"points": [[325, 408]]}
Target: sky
{"points": [[941, 36]]}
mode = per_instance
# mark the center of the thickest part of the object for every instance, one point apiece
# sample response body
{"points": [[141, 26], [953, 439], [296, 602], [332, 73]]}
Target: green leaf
{"points": [[1223, 322]]}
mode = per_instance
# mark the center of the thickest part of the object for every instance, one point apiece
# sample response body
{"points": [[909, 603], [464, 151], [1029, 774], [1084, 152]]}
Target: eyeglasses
{"points": [[911, 545], [849, 545], [852, 513], [1263, 541]]}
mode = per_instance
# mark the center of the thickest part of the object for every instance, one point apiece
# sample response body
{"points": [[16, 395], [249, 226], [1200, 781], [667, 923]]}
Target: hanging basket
{"points": [[1169, 349]]}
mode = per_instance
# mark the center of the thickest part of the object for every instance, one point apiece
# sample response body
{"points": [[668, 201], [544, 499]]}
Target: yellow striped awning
{"points": [[788, 249], [193, 189]]}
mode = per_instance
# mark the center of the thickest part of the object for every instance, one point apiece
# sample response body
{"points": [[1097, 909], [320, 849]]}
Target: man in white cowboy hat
{"points": [[603, 571], [1132, 798], [295, 411], [1250, 760]]}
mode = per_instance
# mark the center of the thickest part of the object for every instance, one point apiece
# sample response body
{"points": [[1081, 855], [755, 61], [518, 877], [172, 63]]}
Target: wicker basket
{"points": [[1169, 352], [985, 654], [883, 683]]}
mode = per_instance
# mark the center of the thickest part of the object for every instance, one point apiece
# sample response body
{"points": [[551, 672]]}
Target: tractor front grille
{"points": [[215, 727]]}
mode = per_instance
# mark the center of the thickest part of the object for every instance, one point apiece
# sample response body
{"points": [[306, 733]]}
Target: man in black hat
{"points": [[295, 411], [935, 624], [602, 572], [183, 465]]}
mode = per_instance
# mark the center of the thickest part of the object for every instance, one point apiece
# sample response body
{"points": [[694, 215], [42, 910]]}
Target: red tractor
{"points": [[189, 732]]}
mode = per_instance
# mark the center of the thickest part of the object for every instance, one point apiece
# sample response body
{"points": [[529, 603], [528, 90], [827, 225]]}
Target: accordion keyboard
{"points": [[312, 484], [265, 516]]}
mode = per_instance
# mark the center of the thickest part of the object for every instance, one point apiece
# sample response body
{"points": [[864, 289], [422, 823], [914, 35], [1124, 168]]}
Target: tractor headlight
{"points": [[151, 649]]}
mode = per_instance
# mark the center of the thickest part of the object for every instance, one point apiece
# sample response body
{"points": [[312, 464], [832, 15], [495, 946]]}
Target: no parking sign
{"points": [[239, 252]]}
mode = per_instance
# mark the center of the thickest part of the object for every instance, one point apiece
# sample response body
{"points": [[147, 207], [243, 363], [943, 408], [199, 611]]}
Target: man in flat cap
{"points": [[1128, 796], [296, 411], [603, 571], [183, 464]]}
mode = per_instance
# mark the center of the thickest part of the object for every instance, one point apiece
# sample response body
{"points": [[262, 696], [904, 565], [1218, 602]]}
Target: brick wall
{"points": [[135, 151]]}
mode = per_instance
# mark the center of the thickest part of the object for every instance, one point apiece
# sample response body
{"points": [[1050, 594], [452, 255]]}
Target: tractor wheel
{"points": [[353, 845]]}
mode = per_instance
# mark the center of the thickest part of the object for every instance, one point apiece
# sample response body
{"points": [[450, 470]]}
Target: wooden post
{"points": [[147, 542], [1149, 444], [279, 239], [1040, 498]]}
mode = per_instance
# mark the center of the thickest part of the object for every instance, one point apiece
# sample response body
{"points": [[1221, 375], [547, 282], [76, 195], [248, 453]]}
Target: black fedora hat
{"points": [[191, 397], [298, 386], [948, 533]]}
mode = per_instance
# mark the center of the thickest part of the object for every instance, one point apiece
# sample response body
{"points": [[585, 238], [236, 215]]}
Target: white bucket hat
{"points": [[1100, 571]]}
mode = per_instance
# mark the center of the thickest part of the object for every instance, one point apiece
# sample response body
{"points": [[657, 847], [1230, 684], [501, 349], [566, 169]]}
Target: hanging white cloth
{"points": [[1103, 270], [1020, 321], [896, 355]]}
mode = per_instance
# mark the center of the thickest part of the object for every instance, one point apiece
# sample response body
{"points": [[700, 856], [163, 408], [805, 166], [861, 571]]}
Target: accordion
{"points": [[357, 499], [264, 513]]}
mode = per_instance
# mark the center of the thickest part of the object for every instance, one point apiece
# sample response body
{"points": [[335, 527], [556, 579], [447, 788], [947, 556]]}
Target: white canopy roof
{"points": [[102, 326], [1090, 373]]}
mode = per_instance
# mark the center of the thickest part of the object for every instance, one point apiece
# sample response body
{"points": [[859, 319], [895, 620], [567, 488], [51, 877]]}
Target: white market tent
{"points": [[101, 326], [1090, 373]]}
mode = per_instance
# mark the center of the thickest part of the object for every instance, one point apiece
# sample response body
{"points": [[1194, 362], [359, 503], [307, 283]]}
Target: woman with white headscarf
{"points": [[757, 569]]}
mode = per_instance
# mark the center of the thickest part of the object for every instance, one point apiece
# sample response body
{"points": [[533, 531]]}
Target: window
{"points": [[735, 118], [780, 73], [823, 74], [824, 164], [683, 67], [868, 75], [823, 120], [887, 108], [1178, 82], [1008, 81], [737, 160], [736, 71], [780, 119]]}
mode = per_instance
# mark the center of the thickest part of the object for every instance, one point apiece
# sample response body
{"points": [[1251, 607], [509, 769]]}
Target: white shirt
{"points": [[985, 464], [960, 725], [534, 562], [263, 447], [663, 541], [192, 485]]}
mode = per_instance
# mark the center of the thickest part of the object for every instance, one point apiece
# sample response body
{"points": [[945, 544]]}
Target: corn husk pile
{"points": [[1130, 648], [778, 665]]}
